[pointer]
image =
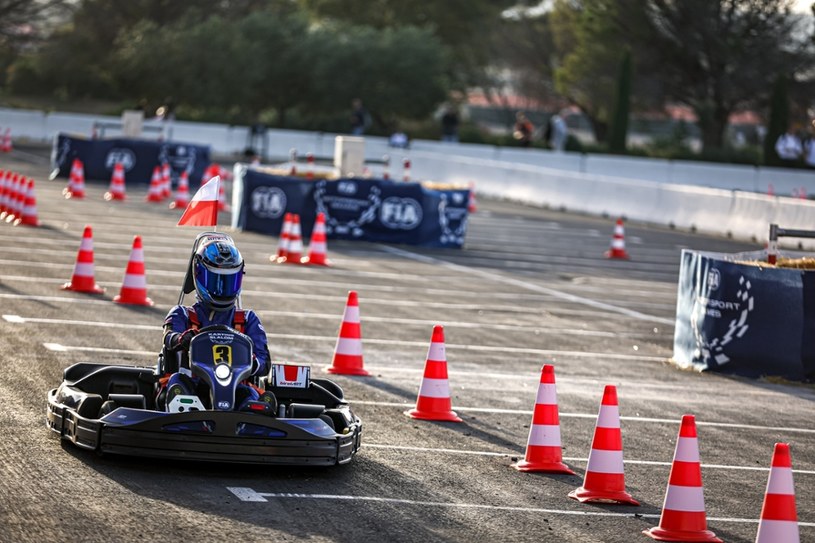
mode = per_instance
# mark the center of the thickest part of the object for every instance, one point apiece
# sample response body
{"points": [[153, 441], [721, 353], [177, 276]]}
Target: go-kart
{"points": [[116, 409]]}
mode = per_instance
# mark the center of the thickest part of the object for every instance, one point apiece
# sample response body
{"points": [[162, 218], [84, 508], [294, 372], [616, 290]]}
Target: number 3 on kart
{"points": [[222, 354]]}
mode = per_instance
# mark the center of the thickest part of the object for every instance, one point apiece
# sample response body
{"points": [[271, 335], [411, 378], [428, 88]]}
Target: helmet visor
{"points": [[220, 285]]}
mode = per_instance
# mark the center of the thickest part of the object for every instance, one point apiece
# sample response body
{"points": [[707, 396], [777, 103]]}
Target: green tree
{"points": [[715, 56], [619, 119], [461, 25]]}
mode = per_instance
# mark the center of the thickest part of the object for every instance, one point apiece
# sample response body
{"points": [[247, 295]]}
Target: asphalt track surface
{"points": [[530, 287]]}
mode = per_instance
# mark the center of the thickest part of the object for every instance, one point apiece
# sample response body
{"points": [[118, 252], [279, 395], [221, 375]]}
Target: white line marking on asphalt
{"points": [[528, 286], [255, 496], [594, 416], [565, 458]]}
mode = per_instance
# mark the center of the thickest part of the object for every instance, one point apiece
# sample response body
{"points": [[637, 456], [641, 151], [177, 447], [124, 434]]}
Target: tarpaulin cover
{"points": [[355, 208], [744, 319]]}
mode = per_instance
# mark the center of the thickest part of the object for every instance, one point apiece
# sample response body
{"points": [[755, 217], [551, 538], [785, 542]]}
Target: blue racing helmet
{"points": [[217, 271]]}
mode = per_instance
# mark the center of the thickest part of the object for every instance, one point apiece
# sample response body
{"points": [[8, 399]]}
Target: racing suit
{"points": [[178, 321]]}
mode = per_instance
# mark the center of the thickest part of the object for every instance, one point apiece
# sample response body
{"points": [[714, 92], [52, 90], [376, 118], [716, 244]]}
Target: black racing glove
{"points": [[180, 341]]}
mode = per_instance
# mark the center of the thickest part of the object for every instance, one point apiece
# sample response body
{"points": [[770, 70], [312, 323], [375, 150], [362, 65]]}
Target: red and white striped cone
{"points": [[4, 177], [406, 165], [293, 162], [166, 181], [5, 193], [77, 176], [802, 194], [310, 166], [543, 449], [779, 517], [16, 199], [134, 285], [434, 402], [294, 251], [82, 279], [154, 190], [348, 350], [222, 206], [211, 171], [472, 204], [604, 481], [8, 193], [683, 512], [69, 189], [770, 190], [6, 145], [182, 194], [29, 214], [386, 162], [318, 245], [283, 240], [117, 184], [617, 249]]}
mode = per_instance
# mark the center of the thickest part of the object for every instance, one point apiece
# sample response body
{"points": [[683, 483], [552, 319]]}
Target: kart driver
{"points": [[217, 271]]}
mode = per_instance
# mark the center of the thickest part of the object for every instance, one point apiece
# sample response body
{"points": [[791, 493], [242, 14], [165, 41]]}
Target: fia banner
{"points": [[741, 318], [138, 157], [354, 208]]}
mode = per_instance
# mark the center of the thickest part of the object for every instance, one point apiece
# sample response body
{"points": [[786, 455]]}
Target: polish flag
{"points": [[203, 208]]}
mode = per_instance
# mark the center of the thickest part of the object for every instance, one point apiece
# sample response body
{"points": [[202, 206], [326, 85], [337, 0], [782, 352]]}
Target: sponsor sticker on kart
{"points": [[290, 376]]}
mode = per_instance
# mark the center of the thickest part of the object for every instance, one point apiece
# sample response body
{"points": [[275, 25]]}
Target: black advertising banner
{"points": [[354, 208], [745, 319], [138, 157]]}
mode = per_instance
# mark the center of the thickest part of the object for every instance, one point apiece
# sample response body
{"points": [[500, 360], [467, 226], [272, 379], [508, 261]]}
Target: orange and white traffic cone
{"points": [[134, 286], [166, 181], [154, 191], [117, 184], [318, 245], [386, 162], [348, 351], [12, 192], [82, 279], [4, 176], [310, 166], [211, 171], [182, 194], [6, 145], [543, 449], [293, 161], [294, 251], [222, 205], [283, 240], [434, 401], [76, 181], [604, 481], [17, 200], [29, 213], [472, 204], [683, 512], [779, 517], [617, 249], [406, 165]]}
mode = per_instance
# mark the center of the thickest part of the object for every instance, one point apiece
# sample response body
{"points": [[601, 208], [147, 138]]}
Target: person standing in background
{"points": [[449, 125], [523, 130], [360, 120], [788, 146], [558, 132]]}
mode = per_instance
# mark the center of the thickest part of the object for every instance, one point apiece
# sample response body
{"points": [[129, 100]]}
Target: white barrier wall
{"points": [[728, 200]]}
